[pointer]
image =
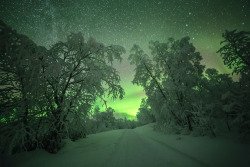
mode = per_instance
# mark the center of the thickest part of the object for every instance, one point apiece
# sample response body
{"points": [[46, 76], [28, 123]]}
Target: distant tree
{"points": [[129, 124], [107, 119], [119, 123]]}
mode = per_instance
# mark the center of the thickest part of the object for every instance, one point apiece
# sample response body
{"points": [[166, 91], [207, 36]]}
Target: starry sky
{"points": [[129, 22]]}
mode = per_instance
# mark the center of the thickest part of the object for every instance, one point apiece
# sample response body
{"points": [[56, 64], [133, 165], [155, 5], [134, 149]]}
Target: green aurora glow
{"points": [[128, 22]]}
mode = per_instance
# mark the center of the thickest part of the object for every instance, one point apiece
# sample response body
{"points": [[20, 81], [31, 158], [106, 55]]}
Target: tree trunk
{"points": [[190, 128]]}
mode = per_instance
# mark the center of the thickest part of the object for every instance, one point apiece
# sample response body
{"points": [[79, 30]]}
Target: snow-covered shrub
{"points": [[17, 137], [76, 126], [203, 120], [237, 110], [91, 125]]}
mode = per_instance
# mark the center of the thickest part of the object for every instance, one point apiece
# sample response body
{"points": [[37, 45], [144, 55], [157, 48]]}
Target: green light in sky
{"points": [[127, 23], [129, 105]]}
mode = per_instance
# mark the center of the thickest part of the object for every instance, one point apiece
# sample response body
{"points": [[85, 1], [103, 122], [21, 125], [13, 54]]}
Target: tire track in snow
{"points": [[134, 151], [179, 152], [113, 153]]}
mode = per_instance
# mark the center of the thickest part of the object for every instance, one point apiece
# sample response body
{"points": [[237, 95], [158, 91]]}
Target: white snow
{"points": [[214, 152], [140, 147]]}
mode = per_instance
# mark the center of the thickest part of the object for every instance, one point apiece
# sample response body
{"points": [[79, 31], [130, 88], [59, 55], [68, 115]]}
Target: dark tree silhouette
{"points": [[236, 51], [20, 82], [236, 55]]}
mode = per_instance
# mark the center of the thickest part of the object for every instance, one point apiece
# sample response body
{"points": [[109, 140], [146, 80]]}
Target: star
{"points": [[127, 23]]}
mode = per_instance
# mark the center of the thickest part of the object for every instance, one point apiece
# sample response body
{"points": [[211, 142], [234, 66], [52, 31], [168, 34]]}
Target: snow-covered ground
{"points": [[140, 147]]}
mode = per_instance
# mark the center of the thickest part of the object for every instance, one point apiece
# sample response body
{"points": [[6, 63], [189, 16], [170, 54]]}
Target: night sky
{"points": [[128, 22]]}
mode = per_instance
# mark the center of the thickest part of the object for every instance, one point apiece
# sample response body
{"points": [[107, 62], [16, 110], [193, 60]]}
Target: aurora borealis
{"points": [[128, 22]]}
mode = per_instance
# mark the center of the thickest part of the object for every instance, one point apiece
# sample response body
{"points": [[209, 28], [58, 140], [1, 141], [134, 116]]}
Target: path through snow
{"points": [[140, 147]]}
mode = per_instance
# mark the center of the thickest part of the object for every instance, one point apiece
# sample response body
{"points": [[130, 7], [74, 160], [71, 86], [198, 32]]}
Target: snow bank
{"points": [[215, 152], [88, 152]]}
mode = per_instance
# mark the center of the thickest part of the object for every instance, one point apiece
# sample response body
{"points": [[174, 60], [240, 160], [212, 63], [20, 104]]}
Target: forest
{"points": [[47, 95]]}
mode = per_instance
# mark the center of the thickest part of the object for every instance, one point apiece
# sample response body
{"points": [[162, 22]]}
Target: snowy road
{"points": [[140, 147], [133, 149]]}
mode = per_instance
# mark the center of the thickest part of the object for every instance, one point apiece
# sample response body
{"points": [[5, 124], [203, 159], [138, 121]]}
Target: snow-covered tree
{"points": [[20, 83], [170, 81], [179, 66], [78, 72], [146, 75], [145, 115], [208, 108], [236, 55], [46, 94]]}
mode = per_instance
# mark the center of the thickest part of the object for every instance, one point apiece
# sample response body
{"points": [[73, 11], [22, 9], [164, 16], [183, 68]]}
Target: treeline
{"points": [[103, 121], [46, 94], [184, 97]]}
